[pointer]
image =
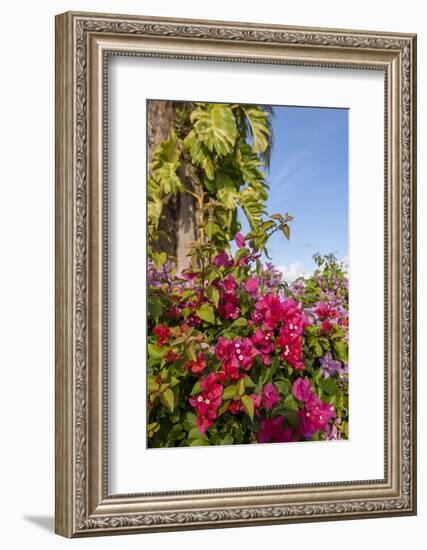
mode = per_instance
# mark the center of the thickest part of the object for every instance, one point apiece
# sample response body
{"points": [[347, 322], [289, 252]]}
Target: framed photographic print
{"points": [[235, 274]]}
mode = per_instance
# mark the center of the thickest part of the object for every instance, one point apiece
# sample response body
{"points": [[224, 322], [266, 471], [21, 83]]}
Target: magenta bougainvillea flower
{"points": [[229, 283], [240, 240], [315, 416], [291, 346], [207, 402], [301, 389], [263, 341], [270, 396], [228, 306], [271, 429], [268, 311], [236, 354]]}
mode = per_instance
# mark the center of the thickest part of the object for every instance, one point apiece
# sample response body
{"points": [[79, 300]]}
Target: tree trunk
{"points": [[177, 227]]}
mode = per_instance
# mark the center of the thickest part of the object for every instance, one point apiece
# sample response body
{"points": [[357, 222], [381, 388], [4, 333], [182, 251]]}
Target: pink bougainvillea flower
{"points": [[240, 240], [197, 366], [252, 285], [264, 343], [270, 396], [301, 389], [315, 416], [326, 325], [235, 354], [207, 402], [324, 310], [222, 259], [163, 334], [172, 356], [272, 429], [235, 406]]}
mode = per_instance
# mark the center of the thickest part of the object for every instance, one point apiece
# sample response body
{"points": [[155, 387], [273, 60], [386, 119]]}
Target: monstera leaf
{"points": [[260, 128], [215, 126]]}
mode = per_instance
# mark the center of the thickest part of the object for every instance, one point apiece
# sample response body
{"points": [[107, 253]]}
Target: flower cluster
{"points": [[236, 355]]}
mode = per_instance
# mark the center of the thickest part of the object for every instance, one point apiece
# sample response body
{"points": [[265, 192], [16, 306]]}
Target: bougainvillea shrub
{"points": [[236, 355]]}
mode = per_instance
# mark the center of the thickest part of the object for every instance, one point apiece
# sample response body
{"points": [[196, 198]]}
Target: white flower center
{"points": [[241, 357], [307, 414], [200, 399], [207, 401]]}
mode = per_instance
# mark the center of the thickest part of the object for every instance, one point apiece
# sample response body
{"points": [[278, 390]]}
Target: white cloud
{"points": [[292, 271], [345, 262]]}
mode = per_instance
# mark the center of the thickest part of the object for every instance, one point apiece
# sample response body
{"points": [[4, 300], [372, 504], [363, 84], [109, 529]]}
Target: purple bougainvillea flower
{"points": [[301, 389], [240, 240], [222, 259], [330, 367], [270, 396]]}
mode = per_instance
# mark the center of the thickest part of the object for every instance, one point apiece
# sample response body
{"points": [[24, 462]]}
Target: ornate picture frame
{"points": [[84, 42]]}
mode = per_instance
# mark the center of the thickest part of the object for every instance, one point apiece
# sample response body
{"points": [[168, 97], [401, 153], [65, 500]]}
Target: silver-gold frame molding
{"points": [[83, 43]]}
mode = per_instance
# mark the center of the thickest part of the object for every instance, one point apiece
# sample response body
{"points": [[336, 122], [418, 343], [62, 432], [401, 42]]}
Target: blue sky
{"points": [[308, 178]]}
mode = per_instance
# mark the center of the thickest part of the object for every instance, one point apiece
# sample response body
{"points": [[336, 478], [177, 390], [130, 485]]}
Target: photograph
{"points": [[247, 274]]}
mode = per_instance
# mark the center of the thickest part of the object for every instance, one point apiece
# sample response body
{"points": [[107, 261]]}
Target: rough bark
{"points": [[177, 227]]}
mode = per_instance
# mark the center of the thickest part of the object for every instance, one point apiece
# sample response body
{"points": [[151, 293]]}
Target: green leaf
{"points": [[195, 434], [290, 403], [196, 388], [206, 313], [329, 386], [156, 354], [213, 294], [199, 443], [229, 392], [223, 407], [159, 259], [240, 322], [248, 382], [154, 307], [284, 386], [168, 399], [286, 230], [341, 349], [190, 351], [248, 405], [258, 121], [215, 126]]}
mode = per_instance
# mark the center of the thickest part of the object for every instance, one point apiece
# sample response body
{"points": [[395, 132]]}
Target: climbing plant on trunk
{"points": [[214, 154]]}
